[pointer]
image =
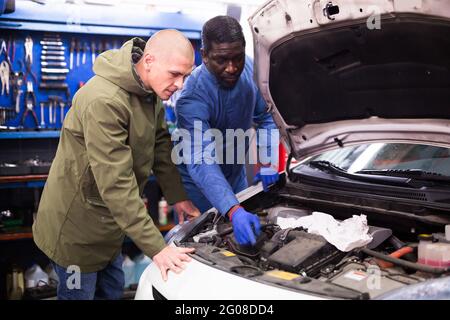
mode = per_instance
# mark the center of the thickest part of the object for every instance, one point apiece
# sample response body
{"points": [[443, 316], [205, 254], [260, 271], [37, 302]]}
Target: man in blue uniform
{"points": [[221, 95]]}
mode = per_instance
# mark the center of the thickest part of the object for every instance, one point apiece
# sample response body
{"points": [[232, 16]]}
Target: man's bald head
{"points": [[168, 58], [166, 42]]}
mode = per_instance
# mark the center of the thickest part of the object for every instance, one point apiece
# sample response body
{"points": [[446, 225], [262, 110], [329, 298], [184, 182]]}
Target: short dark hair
{"points": [[221, 29]]}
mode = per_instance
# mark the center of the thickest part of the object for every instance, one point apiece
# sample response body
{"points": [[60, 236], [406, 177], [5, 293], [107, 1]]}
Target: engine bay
{"points": [[298, 260]]}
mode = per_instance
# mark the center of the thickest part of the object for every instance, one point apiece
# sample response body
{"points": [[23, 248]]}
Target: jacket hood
{"points": [[117, 66]]}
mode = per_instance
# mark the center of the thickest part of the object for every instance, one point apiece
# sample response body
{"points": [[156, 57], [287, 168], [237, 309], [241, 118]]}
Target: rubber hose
{"points": [[406, 264]]}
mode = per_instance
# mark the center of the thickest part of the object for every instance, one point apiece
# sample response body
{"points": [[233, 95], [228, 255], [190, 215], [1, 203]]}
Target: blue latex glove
{"points": [[246, 226], [268, 176]]}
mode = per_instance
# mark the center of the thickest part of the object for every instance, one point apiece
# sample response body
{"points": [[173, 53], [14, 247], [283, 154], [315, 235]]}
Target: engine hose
{"points": [[397, 254], [406, 264], [398, 244]]}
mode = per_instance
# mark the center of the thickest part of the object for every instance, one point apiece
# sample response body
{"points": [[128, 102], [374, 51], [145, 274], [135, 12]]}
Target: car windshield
{"points": [[389, 156]]}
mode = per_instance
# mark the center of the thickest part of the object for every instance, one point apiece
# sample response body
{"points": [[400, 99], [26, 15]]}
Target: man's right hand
{"points": [[246, 226], [171, 258]]}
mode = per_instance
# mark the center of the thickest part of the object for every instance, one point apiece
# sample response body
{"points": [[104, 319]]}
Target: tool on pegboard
{"points": [[93, 51], [17, 82], [4, 77], [42, 105], [78, 50], [84, 49], [29, 58], [30, 103], [71, 52], [6, 114], [5, 50]]}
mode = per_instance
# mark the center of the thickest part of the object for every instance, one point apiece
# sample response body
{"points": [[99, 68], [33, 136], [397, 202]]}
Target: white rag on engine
{"points": [[345, 235]]}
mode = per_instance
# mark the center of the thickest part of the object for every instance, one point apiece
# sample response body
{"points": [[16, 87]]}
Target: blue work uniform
{"points": [[203, 99]]}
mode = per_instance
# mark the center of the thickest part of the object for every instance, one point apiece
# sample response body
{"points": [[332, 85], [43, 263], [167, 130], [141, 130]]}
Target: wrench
{"points": [[50, 112], [42, 114], [59, 58], [61, 105], [53, 48], [19, 93], [54, 70], [51, 43], [56, 53], [53, 64]]}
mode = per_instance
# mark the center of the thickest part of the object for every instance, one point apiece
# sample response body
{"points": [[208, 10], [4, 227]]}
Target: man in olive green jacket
{"points": [[113, 137]]}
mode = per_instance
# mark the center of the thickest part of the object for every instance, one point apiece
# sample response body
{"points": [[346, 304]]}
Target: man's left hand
{"points": [[268, 176], [187, 208]]}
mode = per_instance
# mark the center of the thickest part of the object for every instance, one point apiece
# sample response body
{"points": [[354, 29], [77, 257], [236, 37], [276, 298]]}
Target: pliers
{"points": [[29, 58], [30, 103], [4, 76]]}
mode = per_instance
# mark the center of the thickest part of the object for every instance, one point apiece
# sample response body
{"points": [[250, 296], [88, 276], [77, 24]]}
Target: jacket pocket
{"points": [[98, 202], [89, 189]]}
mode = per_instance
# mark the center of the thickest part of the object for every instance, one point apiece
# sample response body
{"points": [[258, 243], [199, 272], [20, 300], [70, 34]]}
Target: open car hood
{"points": [[344, 72]]}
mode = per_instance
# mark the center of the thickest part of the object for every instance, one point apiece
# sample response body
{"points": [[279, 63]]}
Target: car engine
{"points": [[300, 260]]}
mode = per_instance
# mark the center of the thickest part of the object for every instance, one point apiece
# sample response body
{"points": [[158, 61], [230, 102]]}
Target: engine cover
{"points": [[306, 253]]}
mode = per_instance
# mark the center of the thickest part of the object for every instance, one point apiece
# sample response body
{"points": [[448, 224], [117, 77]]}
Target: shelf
{"points": [[29, 181], [29, 134], [28, 178], [18, 234], [98, 19]]}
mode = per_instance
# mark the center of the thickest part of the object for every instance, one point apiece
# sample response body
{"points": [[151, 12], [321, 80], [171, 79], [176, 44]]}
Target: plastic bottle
{"points": [[163, 209], [435, 254], [15, 286], [128, 267], [35, 277], [141, 262]]}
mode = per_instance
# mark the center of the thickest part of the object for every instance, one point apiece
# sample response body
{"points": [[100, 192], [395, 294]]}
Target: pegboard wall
{"points": [[65, 72]]}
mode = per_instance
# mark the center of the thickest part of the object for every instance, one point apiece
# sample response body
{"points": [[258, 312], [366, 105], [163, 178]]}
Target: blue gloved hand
{"points": [[246, 226], [268, 176]]}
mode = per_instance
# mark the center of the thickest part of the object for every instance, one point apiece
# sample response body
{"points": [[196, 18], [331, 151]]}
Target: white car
{"points": [[360, 91]]}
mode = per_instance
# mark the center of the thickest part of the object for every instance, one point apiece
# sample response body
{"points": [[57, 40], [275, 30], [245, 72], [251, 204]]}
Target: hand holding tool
{"points": [[246, 226]]}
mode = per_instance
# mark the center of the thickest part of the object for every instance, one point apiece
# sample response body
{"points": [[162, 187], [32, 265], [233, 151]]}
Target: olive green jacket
{"points": [[114, 135]]}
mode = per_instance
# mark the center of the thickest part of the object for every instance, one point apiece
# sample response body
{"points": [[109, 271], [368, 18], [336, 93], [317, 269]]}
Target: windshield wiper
{"points": [[416, 174], [382, 179]]}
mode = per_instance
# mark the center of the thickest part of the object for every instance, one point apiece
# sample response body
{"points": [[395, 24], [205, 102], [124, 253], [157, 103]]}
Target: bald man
{"points": [[113, 137]]}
